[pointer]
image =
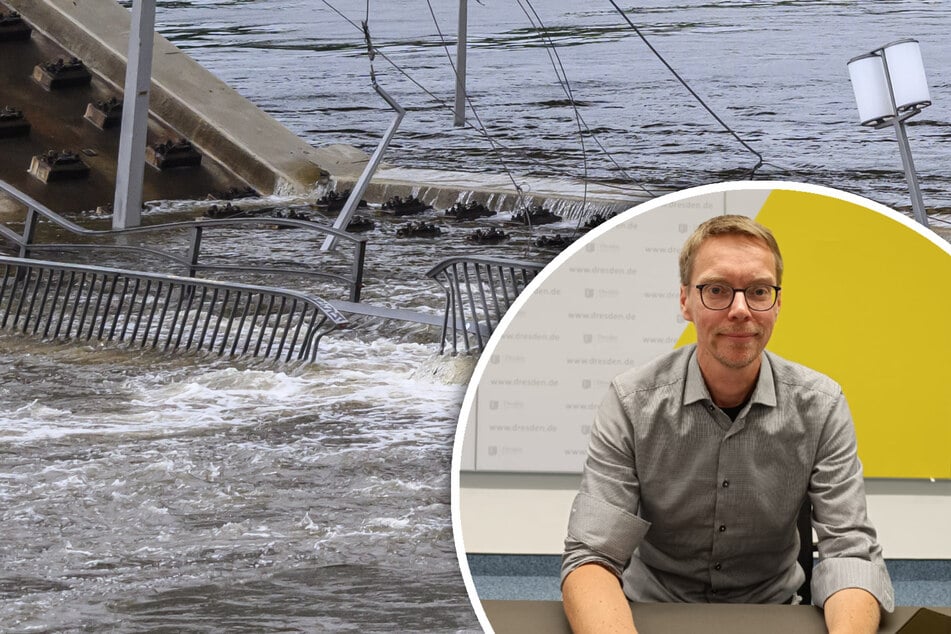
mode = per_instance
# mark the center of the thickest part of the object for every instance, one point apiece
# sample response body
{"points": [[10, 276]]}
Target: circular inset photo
{"points": [[729, 395]]}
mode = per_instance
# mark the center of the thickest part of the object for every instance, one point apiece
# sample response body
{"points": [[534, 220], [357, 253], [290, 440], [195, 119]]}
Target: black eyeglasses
{"points": [[759, 297]]}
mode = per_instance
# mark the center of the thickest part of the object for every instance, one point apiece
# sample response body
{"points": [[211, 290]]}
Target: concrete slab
{"points": [[186, 97], [227, 128], [57, 123]]}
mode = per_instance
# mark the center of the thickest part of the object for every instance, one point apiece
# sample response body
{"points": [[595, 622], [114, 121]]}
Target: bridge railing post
{"points": [[359, 255], [473, 294], [194, 249], [29, 231]]}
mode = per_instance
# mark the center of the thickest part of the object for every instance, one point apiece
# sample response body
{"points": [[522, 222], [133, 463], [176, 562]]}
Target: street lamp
{"points": [[890, 87], [130, 165]]}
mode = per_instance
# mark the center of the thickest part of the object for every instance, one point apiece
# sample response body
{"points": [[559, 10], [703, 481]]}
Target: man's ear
{"points": [[684, 307]]}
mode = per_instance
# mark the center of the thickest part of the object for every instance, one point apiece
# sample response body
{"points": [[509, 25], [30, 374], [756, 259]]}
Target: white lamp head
{"points": [[870, 86], [907, 73]]}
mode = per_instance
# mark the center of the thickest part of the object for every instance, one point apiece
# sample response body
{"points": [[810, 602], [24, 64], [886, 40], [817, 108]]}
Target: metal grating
{"points": [[168, 313], [479, 290]]}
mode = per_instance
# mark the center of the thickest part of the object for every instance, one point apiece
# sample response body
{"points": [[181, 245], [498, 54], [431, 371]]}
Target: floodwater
{"points": [[141, 492], [774, 71]]}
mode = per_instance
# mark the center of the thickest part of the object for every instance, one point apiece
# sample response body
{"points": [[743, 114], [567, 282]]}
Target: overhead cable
{"points": [[700, 100], [475, 113]]}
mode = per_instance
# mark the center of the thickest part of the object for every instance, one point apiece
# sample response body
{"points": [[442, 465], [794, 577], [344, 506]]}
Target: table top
{"points": [[524, 617]]}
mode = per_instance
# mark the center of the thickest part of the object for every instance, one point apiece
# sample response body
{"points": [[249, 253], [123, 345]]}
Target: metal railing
{"points": [[58, 301], [27, 243], [479, 290]]}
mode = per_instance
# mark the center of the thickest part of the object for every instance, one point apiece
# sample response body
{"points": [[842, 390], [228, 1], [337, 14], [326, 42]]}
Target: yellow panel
{"points": [[867, 300]]}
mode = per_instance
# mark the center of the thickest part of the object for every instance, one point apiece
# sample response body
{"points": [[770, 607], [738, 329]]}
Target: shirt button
{"points": [[717, 566], [726, 483], [722, 528]]}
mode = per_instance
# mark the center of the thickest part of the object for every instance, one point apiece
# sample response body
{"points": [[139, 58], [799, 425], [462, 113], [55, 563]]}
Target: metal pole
{"points": [[127, 205], [349, 207], [917, 204], [911, 176], [353, 201], [461, 65]]}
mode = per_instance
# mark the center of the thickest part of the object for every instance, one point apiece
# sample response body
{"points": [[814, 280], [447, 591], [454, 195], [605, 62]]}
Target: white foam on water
{"points": [[166, 397]]}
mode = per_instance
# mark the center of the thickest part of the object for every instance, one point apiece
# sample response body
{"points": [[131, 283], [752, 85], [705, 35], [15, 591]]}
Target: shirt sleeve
{"points": [[603, 526], [849, 553]]}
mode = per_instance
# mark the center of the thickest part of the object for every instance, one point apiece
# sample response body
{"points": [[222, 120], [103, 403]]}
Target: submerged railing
{"points": [[479, 290], [163, 312], [191, 258]]}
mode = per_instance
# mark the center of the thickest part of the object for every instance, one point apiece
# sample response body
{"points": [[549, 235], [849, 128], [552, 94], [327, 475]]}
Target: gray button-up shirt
{"points": [[686, 505]]}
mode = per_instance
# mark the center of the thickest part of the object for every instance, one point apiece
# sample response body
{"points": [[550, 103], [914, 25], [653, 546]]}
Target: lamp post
{"points": [[130, 167], [890, 87], [461, 43]]}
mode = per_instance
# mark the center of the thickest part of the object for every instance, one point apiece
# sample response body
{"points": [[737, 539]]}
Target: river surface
{"points": [[774, 71], [141, 492]]}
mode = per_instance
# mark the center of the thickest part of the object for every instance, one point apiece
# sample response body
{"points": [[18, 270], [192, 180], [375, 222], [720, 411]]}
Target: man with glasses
{"points": [[699, 462]]}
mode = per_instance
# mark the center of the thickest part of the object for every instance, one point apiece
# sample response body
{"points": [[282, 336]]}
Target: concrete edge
{"points": [[190, 99]]}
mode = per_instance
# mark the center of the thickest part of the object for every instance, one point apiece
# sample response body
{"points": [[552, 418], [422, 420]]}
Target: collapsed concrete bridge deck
{"points": [[240, 144]]}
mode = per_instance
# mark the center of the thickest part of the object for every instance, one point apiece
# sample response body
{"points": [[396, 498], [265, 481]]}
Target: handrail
{"points": [[479, 290], [36, 210], [54, 300]]}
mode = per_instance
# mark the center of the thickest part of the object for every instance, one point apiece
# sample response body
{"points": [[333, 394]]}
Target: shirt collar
{"points": [[696, 390]]}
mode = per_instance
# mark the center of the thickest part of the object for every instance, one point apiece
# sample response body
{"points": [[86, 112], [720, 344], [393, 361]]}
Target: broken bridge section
{"points": [[59, 133]]}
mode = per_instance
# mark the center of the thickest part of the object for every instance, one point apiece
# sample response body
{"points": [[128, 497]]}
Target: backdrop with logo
{"points": [[866, 300]]}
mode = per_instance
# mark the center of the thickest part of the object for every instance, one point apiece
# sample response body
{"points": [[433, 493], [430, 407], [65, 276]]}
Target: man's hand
{"points": [[594, 602], [852, 611]]}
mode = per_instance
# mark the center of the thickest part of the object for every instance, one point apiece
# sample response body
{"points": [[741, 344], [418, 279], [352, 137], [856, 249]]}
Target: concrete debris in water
{"points": [[594, 220], [556, 241], [469, 211], [332, 201], [359, 224], [418, 230], [487, 236], [399, 206], [534, 215]]}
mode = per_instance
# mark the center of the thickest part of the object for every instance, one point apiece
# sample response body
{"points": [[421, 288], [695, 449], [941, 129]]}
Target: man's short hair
{"points": [[729, 224]]}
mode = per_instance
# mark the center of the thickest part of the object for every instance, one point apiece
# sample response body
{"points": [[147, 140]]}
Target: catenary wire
{"points": [[562, 77], [482, 131], [696, 96]]}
